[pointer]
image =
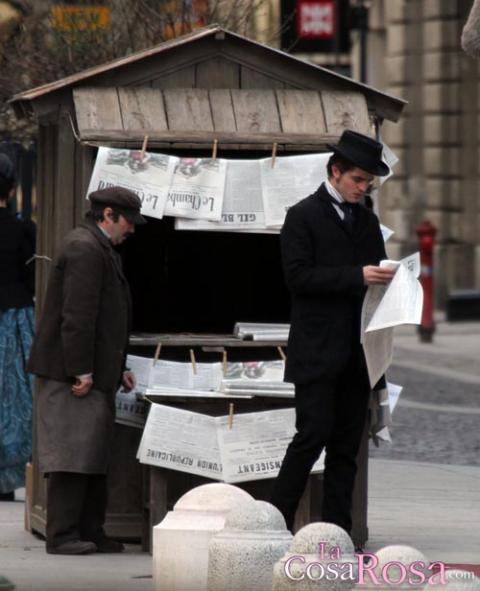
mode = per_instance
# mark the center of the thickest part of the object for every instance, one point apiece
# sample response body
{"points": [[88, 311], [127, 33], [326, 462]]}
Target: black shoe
{"points": [[73, 547], [360, 550], [109, 546], [9, 496]]}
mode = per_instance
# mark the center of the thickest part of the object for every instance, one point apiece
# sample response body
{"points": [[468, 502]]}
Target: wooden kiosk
{"points": [[185, 94]]}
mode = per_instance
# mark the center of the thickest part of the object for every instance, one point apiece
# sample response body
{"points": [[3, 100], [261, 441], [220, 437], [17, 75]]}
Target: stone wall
{"points": [[437, 139]]}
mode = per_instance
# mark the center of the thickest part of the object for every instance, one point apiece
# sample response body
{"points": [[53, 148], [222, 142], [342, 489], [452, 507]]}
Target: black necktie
{"points": [[349, 212]]}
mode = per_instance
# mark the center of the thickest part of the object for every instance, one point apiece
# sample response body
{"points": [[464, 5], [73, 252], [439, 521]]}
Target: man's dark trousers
{"points": [[76, 507], [331, 414]]}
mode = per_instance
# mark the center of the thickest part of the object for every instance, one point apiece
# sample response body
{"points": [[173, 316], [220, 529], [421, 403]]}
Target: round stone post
{"points": [[321, 558], [393, 568], [243, 554], [180, 541]]}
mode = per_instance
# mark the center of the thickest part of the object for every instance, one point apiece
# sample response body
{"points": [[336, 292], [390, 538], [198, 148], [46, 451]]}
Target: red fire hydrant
{"points": [[426, 240]]}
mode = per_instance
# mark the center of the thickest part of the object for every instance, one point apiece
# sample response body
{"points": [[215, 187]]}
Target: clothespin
{"points": [[282, 354], [224, 362], [157, 353], [144, 147], [38, 256], [192, 359], [274, 153], [231, 409], [214, 149]]}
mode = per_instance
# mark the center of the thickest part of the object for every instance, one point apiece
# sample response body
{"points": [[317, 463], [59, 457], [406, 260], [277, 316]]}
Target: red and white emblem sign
{"points": [[316, 19]]}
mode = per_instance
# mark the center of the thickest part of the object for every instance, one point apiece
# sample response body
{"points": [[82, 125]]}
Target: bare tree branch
{"points": [[38, 52]]}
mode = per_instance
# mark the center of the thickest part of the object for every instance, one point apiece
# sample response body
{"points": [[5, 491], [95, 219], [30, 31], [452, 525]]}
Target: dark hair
{"points": [[7, 176], [6, 185], [96, 210], [339, 162]]}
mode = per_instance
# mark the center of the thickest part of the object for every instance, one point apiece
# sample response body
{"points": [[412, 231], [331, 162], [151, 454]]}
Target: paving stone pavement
{"points": [[424, 490]]}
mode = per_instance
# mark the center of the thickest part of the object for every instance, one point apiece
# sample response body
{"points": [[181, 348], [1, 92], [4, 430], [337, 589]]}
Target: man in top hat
{"points": [[331, 247], [79, 354]]}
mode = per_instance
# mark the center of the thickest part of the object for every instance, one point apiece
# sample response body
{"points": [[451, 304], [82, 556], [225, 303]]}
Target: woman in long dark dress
{"points": [[17, 243]]}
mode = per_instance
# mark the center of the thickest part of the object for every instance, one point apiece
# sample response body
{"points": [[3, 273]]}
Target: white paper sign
{"points": [[181, 440], [197, 189], [205, 376], [129, 410], [148, 176], [242, 204], [255, 447], [291, 179], [199, 444]]}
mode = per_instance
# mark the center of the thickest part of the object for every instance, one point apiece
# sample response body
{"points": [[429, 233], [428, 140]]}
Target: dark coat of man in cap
{"points": [[331, 247], [79, 354]]}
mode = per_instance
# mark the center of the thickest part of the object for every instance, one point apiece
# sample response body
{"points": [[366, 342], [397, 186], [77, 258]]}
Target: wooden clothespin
{"points": [[157, 353], [282, 354], [192, 359], [144, 147], [231, 410], [274, 153], [214, 149], [224, 363]]}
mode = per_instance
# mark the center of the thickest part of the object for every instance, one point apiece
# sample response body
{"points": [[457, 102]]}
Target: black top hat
{"points": [[122, 200], [363, 151]]}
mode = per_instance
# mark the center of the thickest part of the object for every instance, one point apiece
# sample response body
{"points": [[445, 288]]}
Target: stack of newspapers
{"points": [[261, 331], [257, 378]]}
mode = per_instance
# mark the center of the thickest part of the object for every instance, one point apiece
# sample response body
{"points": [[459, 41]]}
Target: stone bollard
{"points": [[243, 554], [393, 567], [321, 558], [180, 541]]}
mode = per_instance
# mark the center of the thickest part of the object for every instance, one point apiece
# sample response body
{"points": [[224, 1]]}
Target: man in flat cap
{"points": [[331, 247], [79, 354]]}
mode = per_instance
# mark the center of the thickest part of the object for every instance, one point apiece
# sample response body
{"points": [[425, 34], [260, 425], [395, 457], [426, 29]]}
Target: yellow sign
{"points": [[80, 18]]}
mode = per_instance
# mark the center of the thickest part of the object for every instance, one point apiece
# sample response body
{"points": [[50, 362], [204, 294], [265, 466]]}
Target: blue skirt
{"points": [[16, 333]]}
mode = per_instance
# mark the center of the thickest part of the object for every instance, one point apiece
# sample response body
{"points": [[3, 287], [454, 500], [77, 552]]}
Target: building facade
{"points": [[437, 141], [413, 51]]}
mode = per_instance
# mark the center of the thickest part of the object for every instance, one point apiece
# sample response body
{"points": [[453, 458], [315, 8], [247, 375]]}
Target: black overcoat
{"points": [[83, 329], [17, 245], [323, 266], [84, 323]]}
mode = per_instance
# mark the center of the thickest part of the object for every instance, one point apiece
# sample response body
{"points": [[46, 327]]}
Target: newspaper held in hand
{"points": [[387, 233], [387, 306], [383, 403]]}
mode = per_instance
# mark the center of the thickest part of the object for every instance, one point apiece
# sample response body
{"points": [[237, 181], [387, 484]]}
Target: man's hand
{"points": [[82, 386], [377, 275], [128, 381]]}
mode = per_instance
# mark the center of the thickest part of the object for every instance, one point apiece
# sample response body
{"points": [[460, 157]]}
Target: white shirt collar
{"points": [[333, 192], [104, 232]]}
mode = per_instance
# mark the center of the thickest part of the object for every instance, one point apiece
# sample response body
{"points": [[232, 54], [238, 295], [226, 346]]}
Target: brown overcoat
{"points": [[83, 329]]}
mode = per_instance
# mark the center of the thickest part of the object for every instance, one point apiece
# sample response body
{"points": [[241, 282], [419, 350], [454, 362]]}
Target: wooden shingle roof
{"points": [[197, 116]]}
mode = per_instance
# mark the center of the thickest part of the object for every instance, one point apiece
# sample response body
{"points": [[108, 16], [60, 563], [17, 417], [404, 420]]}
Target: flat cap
{"points": [[122, 200]]}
